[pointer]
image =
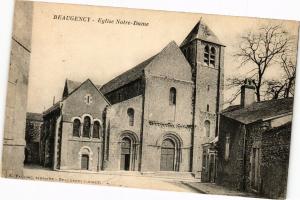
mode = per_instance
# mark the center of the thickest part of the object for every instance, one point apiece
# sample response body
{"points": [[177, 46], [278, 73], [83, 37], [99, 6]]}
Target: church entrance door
{"points": [[167, 159], [125, 154]]}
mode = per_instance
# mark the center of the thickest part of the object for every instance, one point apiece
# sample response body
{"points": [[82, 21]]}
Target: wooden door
{"points": [[84, 162], [167, 158]]}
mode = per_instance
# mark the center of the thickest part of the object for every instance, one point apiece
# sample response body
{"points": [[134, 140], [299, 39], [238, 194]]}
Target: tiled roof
{"points": [[260, 110], [135, 72], [34, 116], [202, 32]]}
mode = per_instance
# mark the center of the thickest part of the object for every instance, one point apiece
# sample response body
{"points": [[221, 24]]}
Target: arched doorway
{"points": [[84, 162], [125, 163], [168, 155], [85, 158]]}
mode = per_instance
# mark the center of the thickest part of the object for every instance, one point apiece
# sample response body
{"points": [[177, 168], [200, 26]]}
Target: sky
{"points": [[79, 50]]}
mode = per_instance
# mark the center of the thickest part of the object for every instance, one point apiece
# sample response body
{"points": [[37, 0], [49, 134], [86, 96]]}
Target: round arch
{"points": [[79, 118], [170, 151], [128, 141], [87, 115], [85, 158]]}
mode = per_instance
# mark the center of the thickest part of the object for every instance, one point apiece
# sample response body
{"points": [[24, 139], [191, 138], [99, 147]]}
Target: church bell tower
{"points": [[205, 53]]}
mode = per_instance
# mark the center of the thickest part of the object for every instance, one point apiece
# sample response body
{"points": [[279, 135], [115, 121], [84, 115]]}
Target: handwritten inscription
{"points": [[86, 19]]}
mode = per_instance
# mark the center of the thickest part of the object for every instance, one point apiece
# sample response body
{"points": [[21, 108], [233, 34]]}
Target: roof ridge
{"points": [[133, 73]]}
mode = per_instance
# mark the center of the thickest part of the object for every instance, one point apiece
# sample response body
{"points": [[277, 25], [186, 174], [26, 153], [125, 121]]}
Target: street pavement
{"points": [[129, 179]]}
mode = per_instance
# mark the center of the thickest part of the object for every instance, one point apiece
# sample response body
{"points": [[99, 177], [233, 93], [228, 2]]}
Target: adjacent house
{"points": [[253, 146]]}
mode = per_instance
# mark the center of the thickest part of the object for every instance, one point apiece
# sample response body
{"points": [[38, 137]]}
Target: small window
{"points": [[88, 99], [208, 88], [96, 129], [207, 128], [212, 56], [172, 96], [76, 128], [130, 113], [86, 126], [227, 146], [206, 55], [207, 108]]}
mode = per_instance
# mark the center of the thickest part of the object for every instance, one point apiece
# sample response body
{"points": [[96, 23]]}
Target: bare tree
{"points": [[288, 63], [261, 49], [285, 86]]}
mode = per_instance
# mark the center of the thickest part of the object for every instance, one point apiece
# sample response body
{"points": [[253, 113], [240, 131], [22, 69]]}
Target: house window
{"points": [[96, 129], [86, 126], [207, 128], [212, 56], [172, 96], [227, 146], [76, 128], [206, 55], [130, 113]]}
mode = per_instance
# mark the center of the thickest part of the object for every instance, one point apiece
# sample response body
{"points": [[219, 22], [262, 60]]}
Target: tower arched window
{"points": [[206, 55], [207, 128], [212, 56], [96, 129], [130, 113], [76, 127], [86, 126], [172, 96]]}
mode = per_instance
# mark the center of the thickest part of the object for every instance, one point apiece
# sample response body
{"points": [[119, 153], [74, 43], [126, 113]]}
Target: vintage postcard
{"points": [[150, 99]]}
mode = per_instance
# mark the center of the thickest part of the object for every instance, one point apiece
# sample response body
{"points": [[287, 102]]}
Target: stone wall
{"points": [[71, 148], [162, 119], [32, 137], [275, 161], [230, 171], [16, 100], [117, 124]]}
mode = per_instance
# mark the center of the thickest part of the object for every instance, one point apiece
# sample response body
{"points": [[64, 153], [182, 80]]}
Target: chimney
{"points": [[247, 93]]}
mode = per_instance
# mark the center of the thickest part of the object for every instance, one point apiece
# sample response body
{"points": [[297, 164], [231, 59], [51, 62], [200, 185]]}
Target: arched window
{"points": [[86, 126], [207, 128], [207, 108], [172, 97], [96, 129], [130, 113], [206, 55], [212, 56], [76, 127]]}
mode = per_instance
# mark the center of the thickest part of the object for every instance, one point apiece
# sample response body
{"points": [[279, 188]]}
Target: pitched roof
{"points": [[52, 108], [202, 32], [260, 110], [133, 73], [71, 85], [34, 116]]}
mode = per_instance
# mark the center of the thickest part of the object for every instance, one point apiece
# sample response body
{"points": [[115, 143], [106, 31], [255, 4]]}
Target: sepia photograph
{"points": [[159, 100]]}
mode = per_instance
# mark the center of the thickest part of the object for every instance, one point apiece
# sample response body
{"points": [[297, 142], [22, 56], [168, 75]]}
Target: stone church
{"points": [[157, 116]]}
